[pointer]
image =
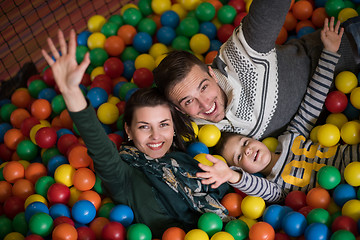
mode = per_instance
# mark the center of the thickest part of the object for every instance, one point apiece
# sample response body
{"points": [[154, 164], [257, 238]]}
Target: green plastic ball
{"points": [[98, 56], [36, 86], [19, 224], [120, 123], [318, 215], [342, 234], [145, 7], [129, 53], [5, 226], [41, 224], [58, 104], [205, 12], [125, 88], [6, 110], [109, 29], [147, 25], [181, 43], [104, 210], [333, 7], [210, 223], [238, 229], [328, 177], [42, 185], [117, 19], [139, 231], [97, 187], [226, 14], [132, 16], [189, 26], [27, 150], [80, 53], [48, 154]]}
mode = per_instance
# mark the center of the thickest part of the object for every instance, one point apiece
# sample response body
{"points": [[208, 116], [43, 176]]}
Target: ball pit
{"points": [[119, 47]]}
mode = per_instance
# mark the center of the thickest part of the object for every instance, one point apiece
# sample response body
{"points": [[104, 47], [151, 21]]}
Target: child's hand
{"points": [[331, 36], [216, 174]]}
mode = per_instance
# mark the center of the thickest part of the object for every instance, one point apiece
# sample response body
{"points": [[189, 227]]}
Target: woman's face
{"points": [[152, 130]]}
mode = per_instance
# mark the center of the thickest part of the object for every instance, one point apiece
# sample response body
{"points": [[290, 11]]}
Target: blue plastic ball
{"points": [[129, 69], [83, 211], [82, 38], [63, 131], [170, 19], [35, 207], [122, 214], [117, 87], [97, 96], [214, 45], [47, 93], [129, 93], [166, 35], [343, 193], [305, 30], [351, 112], [317, 231], [142, 42], [273, 215], [294, 224], [55, 162], [209, 29], [59, 210], [4, 127], [196, 148]]}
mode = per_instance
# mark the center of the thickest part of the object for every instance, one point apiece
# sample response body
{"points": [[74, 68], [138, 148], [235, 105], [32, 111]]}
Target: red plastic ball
{"points": [[113, 67], [116, 138], [102, 82], [48, 77], [305, 210], [114, 230], [295, 200], [121, 106], [336, 102], [65, 141], [27, 124], [14, 205], [345, 223], [63, 219], [86, 80], [85, 233], [239, 17], [239, 5], [46, 137], [143, 77], [5, 153], [34, 237], [58, 193], [224, 32]]}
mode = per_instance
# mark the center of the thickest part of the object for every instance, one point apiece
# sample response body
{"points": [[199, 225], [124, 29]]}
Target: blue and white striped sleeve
{"points": [[258, 186], [315, 95]]}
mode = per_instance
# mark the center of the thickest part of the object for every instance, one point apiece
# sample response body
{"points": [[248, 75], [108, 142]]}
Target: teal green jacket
{"points": [[159, 208]]}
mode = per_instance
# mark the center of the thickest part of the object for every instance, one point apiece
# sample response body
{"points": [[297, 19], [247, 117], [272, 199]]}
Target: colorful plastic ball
{"points": [[113, 67], [18, 116], [83, 211], [13, 171], [47, 93], [317, 231], [294, 224], [122, 214], [347, 13], [142, 42], [35, 198], [352, 174], [95, 23], [14, 236], [46, 137], [127, 33], [273, 215], [222, 236], [196, 234], [65, 142], [36, 86], [97, 225], [199, 43], [271, 143], [196, 148], [337, 119], [143, 77], [333, 7], [351, 112], [145, 61], [96, 40], [138, 231], [5, 190], [170, 19], [19, 224], [41, 109], [165, 35], [109, 29], [55, 162], [13, 206], [125, 88], [253, 207], [82, 38], [35, 207], [158, 49], [224, 32], [64, 174], [58, 104], [78, 157], [304, 31], [209, 29], [209, 135], [4, 127], [27, 150], [232, 202], [85, 233], [328, 135], [91, 196], [98, 56], [189, 26], [351, 209], [64, 231], [205, 11], [42, 185], [41, 224], [6, 227], [344, 223], [34, 171], [132, 16], [80, 53], [145, 7], [108, 113], [355, 97], [318, 215], [58, 193], [147, 25], [21, 98], [328, 177], [343, 193], [173, 233], [302, 10], [238, 229], [59, 210], [342, 234], [226, 14], [181, 43], [113, 230], [350, 132], [210, 223], [114, 45], [84, 179], [262, 230], [346, 81], [97, 96], [160, 6], [318, 198]]}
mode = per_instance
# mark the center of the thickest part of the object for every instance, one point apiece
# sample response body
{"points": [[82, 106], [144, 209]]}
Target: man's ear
{"points": [[212, 74]]}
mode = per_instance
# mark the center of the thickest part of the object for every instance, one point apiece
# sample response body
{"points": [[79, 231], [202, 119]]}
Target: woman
{"points": [[159, 185]]}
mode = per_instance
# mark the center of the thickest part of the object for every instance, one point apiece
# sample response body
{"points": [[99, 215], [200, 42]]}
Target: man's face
{"points": [[199, 95]]}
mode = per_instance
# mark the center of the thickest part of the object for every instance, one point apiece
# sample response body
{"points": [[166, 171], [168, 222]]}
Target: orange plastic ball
{"points": [[318, 198], [127, 33], [35, 171], [232, 202], [23, 188], [210, 56], [318, 17], [290, 22], [84, 179], [66, 120], [262, 231], [92, 196], [5, 191], [18, 116], [303, 23], [13, 137], [97, 225], [283, 35], [13, 171], [114, 45], [64, 231], [173, 233], [78, 157], [21, 98], [56, 122], [41, 109], [302, 10]]}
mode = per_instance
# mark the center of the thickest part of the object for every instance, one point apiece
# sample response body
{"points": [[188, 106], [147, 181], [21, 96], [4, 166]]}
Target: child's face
{"points": [[249, 154], [152, 130]]}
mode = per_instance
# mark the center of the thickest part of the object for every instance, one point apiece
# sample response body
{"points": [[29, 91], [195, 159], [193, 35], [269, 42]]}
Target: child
{"points": [[295, 164]]}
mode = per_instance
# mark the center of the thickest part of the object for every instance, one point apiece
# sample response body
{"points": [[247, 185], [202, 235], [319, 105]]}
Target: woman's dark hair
{"points": [[174, 68], [151, 97]]}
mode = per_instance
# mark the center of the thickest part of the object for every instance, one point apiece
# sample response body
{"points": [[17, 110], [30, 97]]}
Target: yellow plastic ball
{"points": [[74, 196], [346, 81], [249, 222], [328, 135], [44, 122], [159, 59], [145, 61], [195, 127], [108, 113], [209, 135], [333, 207], [127, 6], [97, 71], [95, 23], [253, 207], [271, 143], [217, 23], [160, 6], [14, 236], [96, 40], [199, 43], [114, 100], [247, 5], [337, 119], [196, 234], [158, 49], [352, 209], [313, 134], [347, 13], [182, 12], [352, 174], [199, 56], [355, 97], [64, 174], [35, 198], [350, 132], [222, 236], [201, 158], [24, 163], [190, 4]]}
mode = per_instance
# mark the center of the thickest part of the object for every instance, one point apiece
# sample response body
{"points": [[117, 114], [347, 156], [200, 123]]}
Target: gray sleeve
{"points": [[263, 23]]}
